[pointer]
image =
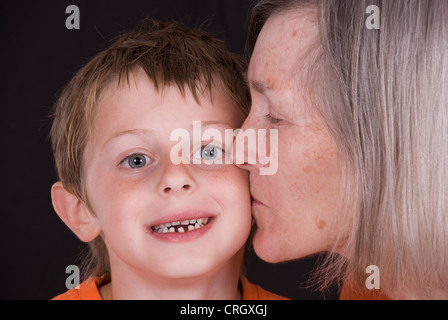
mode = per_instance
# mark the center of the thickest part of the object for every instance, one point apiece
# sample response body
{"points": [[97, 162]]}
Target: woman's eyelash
{"points": [[273, 119]]}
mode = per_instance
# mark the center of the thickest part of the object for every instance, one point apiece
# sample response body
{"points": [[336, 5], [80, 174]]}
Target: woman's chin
{"points": [[269, 250], [266, 249]]}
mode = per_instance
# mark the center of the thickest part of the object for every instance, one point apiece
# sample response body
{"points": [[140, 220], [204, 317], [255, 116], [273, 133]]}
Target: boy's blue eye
{"points": [[209, 152], [136, 161]]}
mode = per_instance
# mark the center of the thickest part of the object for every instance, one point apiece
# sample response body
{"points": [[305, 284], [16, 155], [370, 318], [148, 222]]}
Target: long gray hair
{"points": [[385, 101]]}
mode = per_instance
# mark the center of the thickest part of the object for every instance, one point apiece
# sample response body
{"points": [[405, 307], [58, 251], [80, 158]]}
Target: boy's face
{"points": [[135, 189]]}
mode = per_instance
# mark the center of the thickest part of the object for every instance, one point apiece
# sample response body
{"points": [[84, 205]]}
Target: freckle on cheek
{"points": [[308, 169], [267, 65], [307, 154], [320, 224]]}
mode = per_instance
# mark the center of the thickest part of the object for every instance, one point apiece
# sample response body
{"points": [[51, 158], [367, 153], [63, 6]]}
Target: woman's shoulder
{"points": [[350, 292], [252, 291]]}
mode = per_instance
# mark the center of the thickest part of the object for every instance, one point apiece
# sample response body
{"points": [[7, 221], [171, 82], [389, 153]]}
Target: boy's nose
{"points": [[185, 187], [176, 180]]}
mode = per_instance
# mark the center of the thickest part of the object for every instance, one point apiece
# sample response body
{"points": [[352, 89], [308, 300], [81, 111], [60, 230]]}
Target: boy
{"points": [[156, 230]]}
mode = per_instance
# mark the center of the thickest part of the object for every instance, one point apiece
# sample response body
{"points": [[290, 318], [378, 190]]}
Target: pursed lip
{"points": [[256, 202]]}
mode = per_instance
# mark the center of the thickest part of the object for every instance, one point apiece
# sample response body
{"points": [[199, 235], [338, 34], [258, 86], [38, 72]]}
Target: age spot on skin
{"points": [[320, 223], [308, 169]]}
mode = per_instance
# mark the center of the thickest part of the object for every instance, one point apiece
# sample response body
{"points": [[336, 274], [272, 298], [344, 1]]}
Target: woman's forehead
{"points": [[283, 42]]}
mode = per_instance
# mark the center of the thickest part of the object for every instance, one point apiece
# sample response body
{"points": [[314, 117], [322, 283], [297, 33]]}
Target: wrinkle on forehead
{"points": [[286, 53], [285, 42]]}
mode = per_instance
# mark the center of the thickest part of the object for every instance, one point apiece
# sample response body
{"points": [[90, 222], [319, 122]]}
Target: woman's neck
{"points": [[218, 284]]}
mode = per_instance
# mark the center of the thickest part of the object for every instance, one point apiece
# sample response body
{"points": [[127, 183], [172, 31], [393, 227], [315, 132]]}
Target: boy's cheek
{"points": [[230, 174], [109, 195], [232, 182]]}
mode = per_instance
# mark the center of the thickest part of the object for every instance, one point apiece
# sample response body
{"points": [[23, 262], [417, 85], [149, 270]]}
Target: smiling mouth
{"points": [[181, 226]]}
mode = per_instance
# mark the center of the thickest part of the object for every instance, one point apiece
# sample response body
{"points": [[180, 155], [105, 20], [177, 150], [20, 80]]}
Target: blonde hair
{"points": [[385, 101], [170, 54]]}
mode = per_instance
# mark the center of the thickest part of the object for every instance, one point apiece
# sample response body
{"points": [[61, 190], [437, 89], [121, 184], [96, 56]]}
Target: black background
{"points": [[38, 56]]}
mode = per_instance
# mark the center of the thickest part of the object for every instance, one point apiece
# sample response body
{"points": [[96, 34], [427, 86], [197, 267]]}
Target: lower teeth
{"points": [[175, 227]]}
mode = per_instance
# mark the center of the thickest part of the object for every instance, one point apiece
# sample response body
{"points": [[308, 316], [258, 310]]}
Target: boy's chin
{"points": [[186, 271], [196, 265]]}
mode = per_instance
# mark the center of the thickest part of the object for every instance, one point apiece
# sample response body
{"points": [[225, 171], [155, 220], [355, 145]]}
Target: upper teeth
{"points": [[180, 226]]}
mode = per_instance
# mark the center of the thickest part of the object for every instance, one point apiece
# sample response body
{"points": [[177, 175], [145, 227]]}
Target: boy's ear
{"points": [[74, 213]]}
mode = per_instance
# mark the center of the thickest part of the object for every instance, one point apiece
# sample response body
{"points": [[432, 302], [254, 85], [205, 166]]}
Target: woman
{"points": [[362, 122]]}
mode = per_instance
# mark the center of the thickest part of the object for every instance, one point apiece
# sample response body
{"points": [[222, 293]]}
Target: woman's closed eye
{"points": [[273, 119]]}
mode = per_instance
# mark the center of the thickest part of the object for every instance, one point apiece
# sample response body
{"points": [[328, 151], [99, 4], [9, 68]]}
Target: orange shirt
{"points": [[88, 290], [251, 291], [349, 293]]}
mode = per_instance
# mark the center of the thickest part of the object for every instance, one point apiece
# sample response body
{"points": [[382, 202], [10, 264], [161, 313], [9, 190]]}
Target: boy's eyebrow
{"points": [[126, 132]]}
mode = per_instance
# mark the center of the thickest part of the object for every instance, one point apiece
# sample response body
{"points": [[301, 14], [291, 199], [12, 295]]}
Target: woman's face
{"points": [[294, 209]]}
